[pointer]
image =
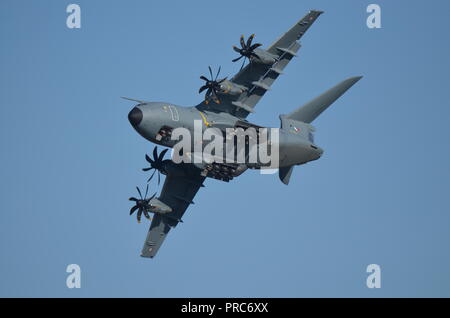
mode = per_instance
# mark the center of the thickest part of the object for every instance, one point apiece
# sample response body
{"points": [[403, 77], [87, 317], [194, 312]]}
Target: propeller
{"points": [[142, 204], [247, 49], [212, 85], [156, 164]]}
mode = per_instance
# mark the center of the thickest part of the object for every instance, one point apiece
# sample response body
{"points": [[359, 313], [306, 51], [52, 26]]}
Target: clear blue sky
{"points": [[70, 159]]}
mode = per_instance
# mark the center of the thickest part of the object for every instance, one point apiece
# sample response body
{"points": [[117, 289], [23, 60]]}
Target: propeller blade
{"points": [[254, 46], [149, 199], [147, 169], [237, 59], [139, 191], [242, 66], [133, 199], [222, 80], [133, 209], [237, 49], [155, 153], [148, 159], [210, 72], [204, 78], [151, 176], [159, 178], [242, 41], [215, 98], [162, 154], [218, 71], [146, 192], [146, 214], [139, 213], [208, 93], [250, 39], [202, 88]]}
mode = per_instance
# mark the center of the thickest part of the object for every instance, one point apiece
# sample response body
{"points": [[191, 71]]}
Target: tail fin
{"points": [[310, 111]]}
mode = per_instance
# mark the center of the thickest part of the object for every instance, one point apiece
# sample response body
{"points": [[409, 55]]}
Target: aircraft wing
{"points": [[178, 192], [259, 77]]}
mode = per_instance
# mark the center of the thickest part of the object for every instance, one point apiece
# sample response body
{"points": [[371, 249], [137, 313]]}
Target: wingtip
{"points": [[354, 79]]}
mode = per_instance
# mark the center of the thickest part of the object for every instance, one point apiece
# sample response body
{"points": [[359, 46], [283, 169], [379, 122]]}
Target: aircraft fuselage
{"points": [[155, 121]]}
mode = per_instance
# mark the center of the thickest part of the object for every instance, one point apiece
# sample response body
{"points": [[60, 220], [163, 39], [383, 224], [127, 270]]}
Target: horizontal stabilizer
{"points": [[310, 111], [285, 174]]}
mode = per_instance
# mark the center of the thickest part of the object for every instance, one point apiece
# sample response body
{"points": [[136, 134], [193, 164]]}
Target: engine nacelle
{"points": [[264, 57], [159, 207], [230, 88]]}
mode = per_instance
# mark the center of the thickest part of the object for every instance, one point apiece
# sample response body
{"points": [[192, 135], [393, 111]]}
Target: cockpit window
{"points": [[174, 113]]}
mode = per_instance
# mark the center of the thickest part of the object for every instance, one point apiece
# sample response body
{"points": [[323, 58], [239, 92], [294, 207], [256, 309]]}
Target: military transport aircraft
{"points": [[227, 104]]}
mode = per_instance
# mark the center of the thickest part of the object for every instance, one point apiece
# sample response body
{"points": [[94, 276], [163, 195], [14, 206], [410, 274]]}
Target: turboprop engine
{"points": [[230, 88]]}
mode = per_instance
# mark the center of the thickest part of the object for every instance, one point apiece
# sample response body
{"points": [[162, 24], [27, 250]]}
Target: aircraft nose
{"points": [[135, 116], [318, 152]]}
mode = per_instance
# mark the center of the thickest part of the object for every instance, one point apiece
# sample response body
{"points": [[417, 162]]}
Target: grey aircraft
{"points": [[227, 104]]}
